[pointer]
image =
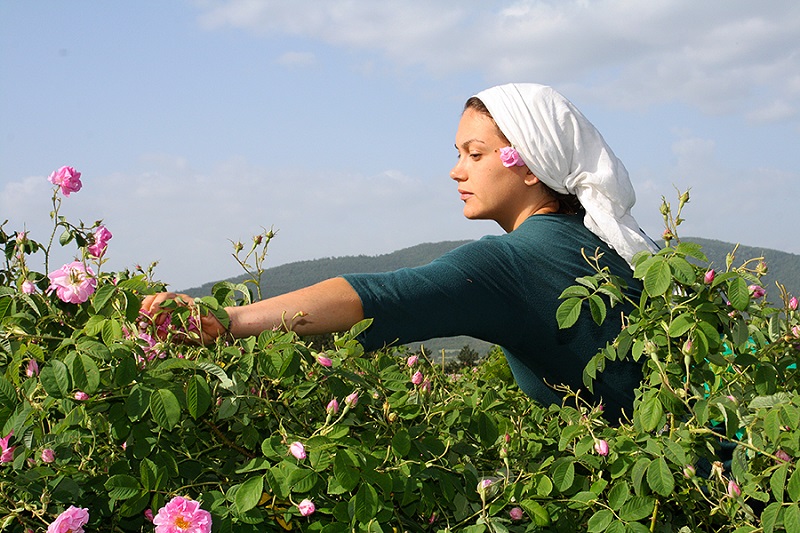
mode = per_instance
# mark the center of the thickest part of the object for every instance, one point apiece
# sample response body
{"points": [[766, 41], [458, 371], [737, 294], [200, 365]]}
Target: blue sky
{"points": [[197, 123]]}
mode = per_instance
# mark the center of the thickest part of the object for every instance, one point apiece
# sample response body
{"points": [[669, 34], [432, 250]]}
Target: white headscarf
{"points": [[567, 153]]}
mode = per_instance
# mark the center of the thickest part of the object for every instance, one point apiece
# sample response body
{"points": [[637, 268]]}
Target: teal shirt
{"points": [[504, 290]]}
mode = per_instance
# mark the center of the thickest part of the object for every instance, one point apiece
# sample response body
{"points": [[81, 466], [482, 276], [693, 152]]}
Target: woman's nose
{"points": [[456, 173]]}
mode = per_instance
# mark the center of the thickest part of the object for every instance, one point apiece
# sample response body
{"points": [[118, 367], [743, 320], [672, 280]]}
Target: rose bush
{"points": [[102, 412]]}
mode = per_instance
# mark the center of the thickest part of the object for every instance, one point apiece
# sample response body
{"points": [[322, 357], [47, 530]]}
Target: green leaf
{"points": [[637, 508], [85, 374], [55, 379], [8, 395], [568, 312], [249, 494], [538, 513], [365, 503], [616, 527], [102, 296], [574, 291], [598, 309], [122, 487], [777, 482], [791, 519], [600, 521], [769, 517], [360, 327], [618, 495], [112, 332], [680, 325], [658, 278], [738, 293], [165, 408], [793, 486], [563, 474], [401, 443], [682, 269], [674, 452], [198, 396], [650, 413], [659, 477], [345, 470]]}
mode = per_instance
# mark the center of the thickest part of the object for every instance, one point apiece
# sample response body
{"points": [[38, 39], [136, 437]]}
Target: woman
{"points": [[529, 160]]}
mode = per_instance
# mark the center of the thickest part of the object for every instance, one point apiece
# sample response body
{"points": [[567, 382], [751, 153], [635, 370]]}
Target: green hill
{"points": [[782, 266]]}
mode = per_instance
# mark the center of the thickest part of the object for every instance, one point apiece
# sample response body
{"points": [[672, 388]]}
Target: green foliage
{"points": [[456, 452]]}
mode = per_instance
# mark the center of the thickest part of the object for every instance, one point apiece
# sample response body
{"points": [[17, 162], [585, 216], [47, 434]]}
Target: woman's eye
{"points": [[475, 156]]}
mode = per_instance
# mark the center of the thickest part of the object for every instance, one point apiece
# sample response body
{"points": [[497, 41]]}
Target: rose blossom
{"points": [[756, 291], [733, 489], [333, 407], [515, 513], [324, 361], [101, 238], [793, 303], [48, 456], [782, 456], [351, 400], [68, 179], [32, 368], [510, 157], [601, 447], [709, 277], [81, 396], [28, 287], [70, 521], [73, 283], [148, 515], [181, 514], [6, 452], [306, 507], [417, 378], [298, 450], [411, 361], [689, 472]]}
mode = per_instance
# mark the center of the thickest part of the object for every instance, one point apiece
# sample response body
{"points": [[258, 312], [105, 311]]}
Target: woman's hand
{"points": [[201, 323]]}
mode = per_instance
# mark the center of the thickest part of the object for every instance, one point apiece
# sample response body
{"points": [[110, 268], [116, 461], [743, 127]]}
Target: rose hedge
{"points": [[101, 411]]}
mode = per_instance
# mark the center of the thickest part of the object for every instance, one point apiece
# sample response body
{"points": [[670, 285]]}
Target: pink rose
{"points": [[733, 489], [28, 287], [298, 450], [515, 513], [48, 456], [351, 400], [793, 303], [148, 515], [757, 291], [324, 361], [81, 396], [6, 451], [510, 157], [70, 521], [101, 238], [782, 456], [411, 361], [68, 179], [306, 507], [32, 368], [709, 277], [417, 378], [181, 514], [73, 283], [601, 447], [689, 472], [333, 407], [426, 387]]}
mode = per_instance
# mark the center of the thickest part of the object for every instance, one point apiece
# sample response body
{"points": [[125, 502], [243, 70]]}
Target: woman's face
{"points": [[489, 190]]}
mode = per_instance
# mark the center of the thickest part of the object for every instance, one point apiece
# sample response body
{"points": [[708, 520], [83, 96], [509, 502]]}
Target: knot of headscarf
{"points": [[567, 153]]}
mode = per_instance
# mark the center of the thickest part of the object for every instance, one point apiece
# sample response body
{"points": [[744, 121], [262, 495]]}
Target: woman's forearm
{"points": [[329, 306]]}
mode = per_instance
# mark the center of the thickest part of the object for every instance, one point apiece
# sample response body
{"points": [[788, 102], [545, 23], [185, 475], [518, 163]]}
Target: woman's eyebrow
{"points": [[465, 144]]}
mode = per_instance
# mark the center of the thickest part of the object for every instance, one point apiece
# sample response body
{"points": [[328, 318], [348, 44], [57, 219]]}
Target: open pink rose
{"points": [[68, 179], [70, 521], [73, 283], [101, 238], [510, 157], [182, 515]]}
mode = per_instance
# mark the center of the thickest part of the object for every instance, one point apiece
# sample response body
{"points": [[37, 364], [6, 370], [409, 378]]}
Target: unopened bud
{"points": [[667, 235]]}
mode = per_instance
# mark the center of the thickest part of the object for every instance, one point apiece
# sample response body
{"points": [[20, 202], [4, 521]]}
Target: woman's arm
{"points": [[326, 307]]}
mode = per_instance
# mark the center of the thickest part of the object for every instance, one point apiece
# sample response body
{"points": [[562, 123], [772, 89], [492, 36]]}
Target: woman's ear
{"points": [[530, 178]]}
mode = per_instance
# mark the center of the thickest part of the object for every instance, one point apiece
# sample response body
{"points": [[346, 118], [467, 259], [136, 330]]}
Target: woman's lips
{"points": [[464, 194]]}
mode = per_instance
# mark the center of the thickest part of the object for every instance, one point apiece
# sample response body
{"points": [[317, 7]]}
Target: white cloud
{"points": [[297, 59], [722, 57]]}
